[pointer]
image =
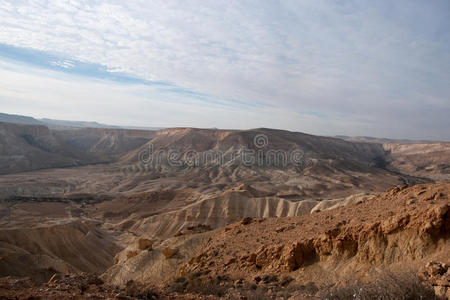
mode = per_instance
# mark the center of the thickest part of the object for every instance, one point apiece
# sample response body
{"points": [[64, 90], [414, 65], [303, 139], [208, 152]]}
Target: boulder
{"points": [[131, 254], [144, 244], [170, 252], [116, 259], [439, 276], [246, 220]]}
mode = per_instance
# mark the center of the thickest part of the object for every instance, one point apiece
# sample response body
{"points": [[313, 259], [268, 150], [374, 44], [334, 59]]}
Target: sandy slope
{"points": [[231, 206], [403, 228], [39, 252]]}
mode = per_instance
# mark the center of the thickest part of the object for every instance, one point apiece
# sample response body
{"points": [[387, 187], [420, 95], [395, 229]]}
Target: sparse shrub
{"points": [[388, 285], [178, 285], [180, 280], [195, 284], [286, 280], [290, 288], [221, 278], [268, 278], [139, 291], [259, 293], [405, 286]]}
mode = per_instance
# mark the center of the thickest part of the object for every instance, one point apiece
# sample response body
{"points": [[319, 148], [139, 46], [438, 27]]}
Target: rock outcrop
{"points": [[170, 252], [439, 275], [388, 230], [144, 244]]}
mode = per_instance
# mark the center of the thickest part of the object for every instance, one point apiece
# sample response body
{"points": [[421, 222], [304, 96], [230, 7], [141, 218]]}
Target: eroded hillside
{"points": [[151, 206], [26, 147], [402, 231]]}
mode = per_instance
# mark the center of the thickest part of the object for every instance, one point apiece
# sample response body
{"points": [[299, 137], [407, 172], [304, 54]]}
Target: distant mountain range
{"points": [[68, 124], [19, 119], [64, 124], [369, 139]]}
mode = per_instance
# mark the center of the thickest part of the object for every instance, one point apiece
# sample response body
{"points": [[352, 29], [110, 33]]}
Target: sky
{"points": [[342, 67]]}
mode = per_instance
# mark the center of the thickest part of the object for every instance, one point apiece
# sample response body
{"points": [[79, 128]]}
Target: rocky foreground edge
{"points": [[402, 232]]}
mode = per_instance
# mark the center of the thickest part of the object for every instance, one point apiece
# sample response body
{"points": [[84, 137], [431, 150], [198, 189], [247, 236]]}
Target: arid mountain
{"points": [[220, 157], [33, 147], [30, 147], [162, 182], [416, 158], [146, 205], [228, 175], [425, 160], [64, 124], [369, 139], [40, 252], [67, 125], [18, 119], [262, 141]]}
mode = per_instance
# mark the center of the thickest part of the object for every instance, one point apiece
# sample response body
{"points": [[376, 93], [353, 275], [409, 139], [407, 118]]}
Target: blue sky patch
{"points": [[55, 62]]}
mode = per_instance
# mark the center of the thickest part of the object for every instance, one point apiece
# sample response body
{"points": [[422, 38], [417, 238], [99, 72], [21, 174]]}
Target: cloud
{"points": [[66, 64], [384, 65], [138, 104]]}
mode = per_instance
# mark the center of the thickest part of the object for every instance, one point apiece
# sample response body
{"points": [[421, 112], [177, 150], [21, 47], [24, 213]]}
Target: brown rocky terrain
{"points": [[402, 223], [402, 230], [323, 167], [426, 160], [31, 147], [40, 252], [173, 210]]}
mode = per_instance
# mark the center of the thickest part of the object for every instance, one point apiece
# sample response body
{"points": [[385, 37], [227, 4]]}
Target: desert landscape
{"points": [[224, 150], [183, 213]]}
